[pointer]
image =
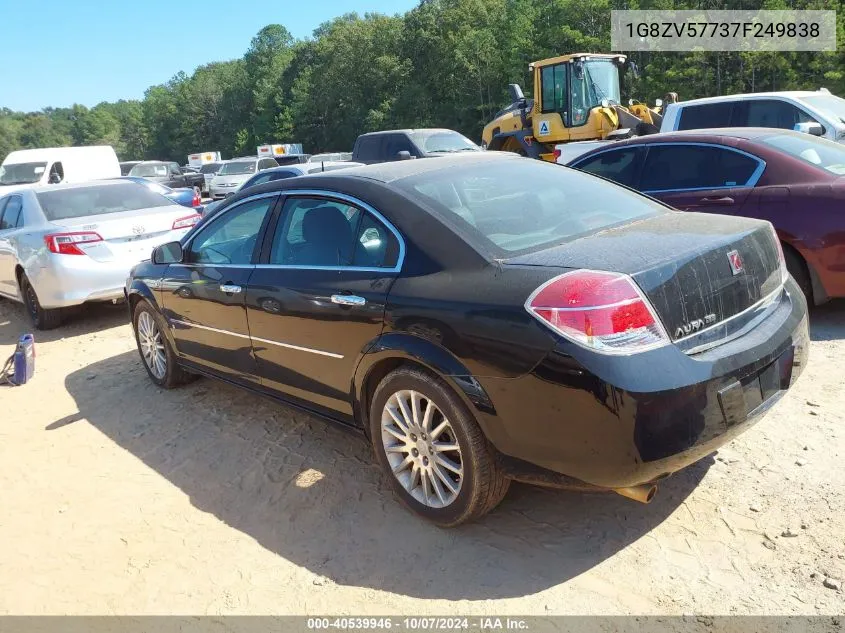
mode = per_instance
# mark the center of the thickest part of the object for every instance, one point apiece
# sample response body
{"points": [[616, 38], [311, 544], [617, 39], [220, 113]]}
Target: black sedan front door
{"points": [[204, 297], [317, 300]]}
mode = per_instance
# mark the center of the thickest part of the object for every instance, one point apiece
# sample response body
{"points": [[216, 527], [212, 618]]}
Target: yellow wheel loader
{"points": [[576, 98]]}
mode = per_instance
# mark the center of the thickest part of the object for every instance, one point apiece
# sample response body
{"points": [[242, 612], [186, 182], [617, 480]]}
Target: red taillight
{"points": [[67, 243], [196, 200], [557, 154], [186, 222], [602, 311]]}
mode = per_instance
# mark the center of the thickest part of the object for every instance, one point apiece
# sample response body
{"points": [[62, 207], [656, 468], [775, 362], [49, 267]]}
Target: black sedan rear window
{"points": [[519, 205], [79, 202]]}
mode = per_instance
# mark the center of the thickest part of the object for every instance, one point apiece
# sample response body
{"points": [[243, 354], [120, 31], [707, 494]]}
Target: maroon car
{"points": [[794, 180]]}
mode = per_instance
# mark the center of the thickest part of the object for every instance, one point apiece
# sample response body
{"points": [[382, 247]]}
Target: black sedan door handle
{"points": [[348, 300], [718, 200]]}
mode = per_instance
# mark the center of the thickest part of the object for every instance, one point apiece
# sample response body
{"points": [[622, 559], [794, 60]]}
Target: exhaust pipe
{"points": [[643, 493]]}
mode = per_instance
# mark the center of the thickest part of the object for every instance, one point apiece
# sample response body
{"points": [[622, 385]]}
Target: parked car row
{"points": [[278, 173]]}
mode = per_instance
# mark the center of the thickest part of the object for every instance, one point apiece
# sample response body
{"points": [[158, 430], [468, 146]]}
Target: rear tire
{"points": [[797, 267], [422, 461], [157, 354], [41, 318]]}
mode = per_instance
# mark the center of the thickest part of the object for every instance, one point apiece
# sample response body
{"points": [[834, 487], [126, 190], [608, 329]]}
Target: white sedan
{"points": [[64, 245]]}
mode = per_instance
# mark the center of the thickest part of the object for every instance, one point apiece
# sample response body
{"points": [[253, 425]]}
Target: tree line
{"points": [[445, 63]]}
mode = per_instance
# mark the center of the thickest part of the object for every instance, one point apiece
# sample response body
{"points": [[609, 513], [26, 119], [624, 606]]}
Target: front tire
{"points": [[42, 318], [432, 450], [154, 347]]}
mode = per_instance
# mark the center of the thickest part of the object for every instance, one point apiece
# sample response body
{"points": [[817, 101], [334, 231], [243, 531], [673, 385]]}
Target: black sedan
{"points": [[482, 319]]}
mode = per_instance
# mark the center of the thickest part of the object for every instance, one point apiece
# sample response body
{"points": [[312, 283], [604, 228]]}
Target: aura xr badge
{"points": [[695, 325]]}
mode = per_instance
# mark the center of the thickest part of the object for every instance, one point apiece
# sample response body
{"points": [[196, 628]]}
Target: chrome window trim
{"points": [[765, 306], [187, 245], [400, 258], [252, 338]]}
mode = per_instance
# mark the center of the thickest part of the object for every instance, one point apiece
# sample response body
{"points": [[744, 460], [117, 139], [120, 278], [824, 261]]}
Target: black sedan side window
{"points": [[620, 166], [231, 238], [329, 233]]}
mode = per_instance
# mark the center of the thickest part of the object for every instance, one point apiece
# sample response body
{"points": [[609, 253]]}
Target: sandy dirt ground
{"points": [[117, 497]]}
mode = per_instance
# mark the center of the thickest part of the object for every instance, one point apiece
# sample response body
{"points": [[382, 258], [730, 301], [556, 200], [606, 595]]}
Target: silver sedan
{"points": [[64, 245]]}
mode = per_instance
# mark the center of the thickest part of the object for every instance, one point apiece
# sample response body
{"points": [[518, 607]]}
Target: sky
{"points": [[60, 52]]}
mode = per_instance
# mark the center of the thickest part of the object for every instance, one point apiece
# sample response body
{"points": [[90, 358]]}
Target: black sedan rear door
{"points": [[316, 301]]}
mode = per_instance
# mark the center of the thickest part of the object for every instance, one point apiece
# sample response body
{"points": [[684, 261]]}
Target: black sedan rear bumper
{"points": [[618, 421]]}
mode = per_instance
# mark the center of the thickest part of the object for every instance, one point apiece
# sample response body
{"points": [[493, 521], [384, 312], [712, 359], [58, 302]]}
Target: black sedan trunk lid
{"points": [[697, 270]]}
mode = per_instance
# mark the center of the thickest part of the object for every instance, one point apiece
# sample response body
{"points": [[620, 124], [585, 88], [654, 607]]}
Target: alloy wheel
{"points": [[152, 345], [422, 449]]}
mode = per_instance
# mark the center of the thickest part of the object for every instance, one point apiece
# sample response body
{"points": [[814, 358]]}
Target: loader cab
{"points": [[571, 86]]}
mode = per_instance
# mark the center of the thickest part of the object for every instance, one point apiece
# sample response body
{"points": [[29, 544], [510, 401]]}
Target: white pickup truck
{"points": [[815, 112]]}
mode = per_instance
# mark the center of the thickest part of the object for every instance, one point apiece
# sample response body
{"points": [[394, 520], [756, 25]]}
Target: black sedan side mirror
{"points": [[170, 253], [813, 128]]}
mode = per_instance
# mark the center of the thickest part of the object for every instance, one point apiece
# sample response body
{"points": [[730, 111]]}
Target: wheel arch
{"points": [[820, 295], [397, 349], [139, 291]]}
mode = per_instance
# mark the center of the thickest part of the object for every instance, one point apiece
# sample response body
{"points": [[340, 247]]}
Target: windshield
{"points": [[820, 152], [21, 173], [445, 141], [509, 206], [149, 170], [77, 202], [829, 104], [210, 168], [237, 167], [598, 80]]}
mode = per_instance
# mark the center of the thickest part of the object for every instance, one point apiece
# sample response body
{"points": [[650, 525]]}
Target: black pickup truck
{"points": [[389, 145], [169, 174]]}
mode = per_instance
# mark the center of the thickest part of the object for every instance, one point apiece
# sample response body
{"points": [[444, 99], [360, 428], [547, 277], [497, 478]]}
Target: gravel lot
{"points": [[120, 498]]}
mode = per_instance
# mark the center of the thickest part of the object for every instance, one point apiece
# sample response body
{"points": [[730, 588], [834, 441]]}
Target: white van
{"points": [[54, 165]]}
